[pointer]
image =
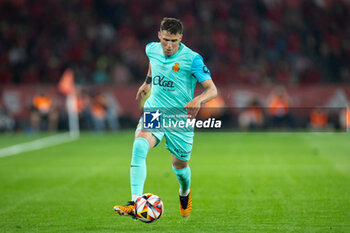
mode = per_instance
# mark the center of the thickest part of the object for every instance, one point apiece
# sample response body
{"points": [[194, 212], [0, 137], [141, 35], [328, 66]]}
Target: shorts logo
{"points": [[151, 119], [176, 67], [182, 152]]}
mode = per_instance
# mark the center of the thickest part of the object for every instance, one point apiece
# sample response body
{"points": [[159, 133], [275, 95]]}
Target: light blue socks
{"points": [[138, 169], [184, 178]]}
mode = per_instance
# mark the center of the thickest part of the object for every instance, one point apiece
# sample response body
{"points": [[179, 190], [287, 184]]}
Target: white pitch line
{"points": [[37, 144]]}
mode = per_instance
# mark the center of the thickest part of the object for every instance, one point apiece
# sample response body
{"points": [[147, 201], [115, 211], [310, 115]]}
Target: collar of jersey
{"points": [[175, 54]]}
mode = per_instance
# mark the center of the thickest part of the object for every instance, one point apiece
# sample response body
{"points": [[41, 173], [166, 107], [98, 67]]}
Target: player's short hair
{"points": [[172, 25]]}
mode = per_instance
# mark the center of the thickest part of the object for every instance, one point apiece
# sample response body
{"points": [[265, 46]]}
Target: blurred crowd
{"points": [[101, 111], [275, 113], [243, 41], [96, 111]]}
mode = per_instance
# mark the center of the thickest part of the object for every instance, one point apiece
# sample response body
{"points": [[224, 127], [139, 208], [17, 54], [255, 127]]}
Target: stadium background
{"points": [[242, 182], [249, 46]]}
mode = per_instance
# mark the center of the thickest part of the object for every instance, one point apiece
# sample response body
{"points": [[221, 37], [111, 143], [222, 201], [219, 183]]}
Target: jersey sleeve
{"points": [[199, 70], [148, 48]]}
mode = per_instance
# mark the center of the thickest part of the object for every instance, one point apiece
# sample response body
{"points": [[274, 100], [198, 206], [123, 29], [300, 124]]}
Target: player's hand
{"points": [[143, 90], [192, 108]]}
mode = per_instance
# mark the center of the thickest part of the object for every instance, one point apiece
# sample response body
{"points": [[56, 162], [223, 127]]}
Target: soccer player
{"points": [[173, 72]]}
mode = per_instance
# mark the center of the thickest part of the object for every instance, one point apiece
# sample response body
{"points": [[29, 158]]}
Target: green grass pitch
{"points": [[241, 182]]}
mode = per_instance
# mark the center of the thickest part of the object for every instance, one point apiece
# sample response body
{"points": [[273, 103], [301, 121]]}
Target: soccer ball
{"points": [[148, 208]]}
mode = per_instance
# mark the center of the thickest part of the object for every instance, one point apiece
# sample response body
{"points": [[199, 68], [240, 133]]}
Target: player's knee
{"points": [[152, 140], [180, 164], [140, 148]]}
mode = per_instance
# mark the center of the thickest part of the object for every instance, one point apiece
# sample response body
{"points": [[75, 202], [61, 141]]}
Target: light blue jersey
{"points": [[174, 77]]}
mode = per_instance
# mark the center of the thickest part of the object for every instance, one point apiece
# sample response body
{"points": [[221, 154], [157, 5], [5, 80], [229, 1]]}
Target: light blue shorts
{"points": [[178, 143]]}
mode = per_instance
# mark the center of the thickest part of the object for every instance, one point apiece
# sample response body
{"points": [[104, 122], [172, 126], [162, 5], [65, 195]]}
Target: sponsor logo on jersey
{"points": [[176, 67], [162, 81]]}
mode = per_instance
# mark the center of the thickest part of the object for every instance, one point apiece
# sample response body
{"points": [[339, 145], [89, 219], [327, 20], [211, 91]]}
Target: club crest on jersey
{"points": [[176, 67]]}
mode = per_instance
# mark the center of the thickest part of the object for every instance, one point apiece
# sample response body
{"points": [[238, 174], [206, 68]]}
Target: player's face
{"points": [[170, 42]]}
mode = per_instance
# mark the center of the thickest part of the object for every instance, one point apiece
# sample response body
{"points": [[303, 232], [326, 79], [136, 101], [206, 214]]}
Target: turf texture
{"points": [[241, 182]]}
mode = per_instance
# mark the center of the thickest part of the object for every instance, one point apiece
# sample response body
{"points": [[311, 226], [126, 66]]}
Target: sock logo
{"points": [[151, 119]]}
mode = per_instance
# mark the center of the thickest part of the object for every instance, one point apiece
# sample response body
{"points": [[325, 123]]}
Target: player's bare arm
{"points": [[145, 88], [209, 93]]}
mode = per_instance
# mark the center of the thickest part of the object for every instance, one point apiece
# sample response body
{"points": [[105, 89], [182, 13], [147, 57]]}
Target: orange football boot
{"points": [[125, 210], [185, 205]]}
